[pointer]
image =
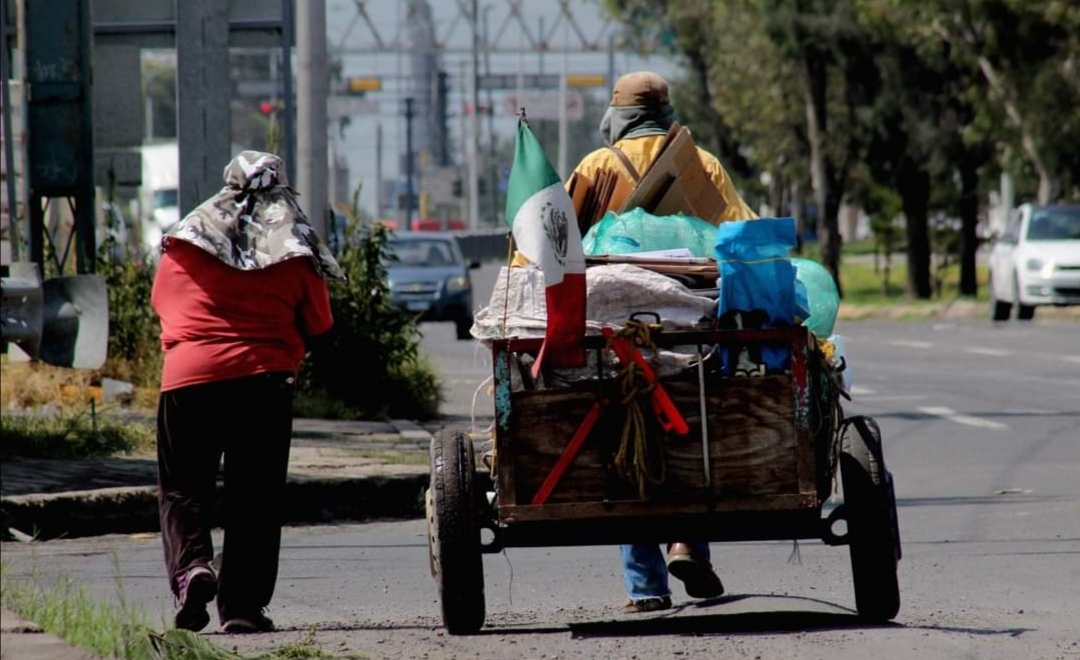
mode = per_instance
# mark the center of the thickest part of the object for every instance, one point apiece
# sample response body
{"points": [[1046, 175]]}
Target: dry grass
{"points": [[30, 385]]}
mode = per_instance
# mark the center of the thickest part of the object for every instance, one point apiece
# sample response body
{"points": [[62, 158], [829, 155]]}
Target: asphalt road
{"points": [[982, 432]]}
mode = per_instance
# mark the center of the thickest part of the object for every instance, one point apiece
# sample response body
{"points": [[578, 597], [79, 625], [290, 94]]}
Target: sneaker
{"points": [[654, 604], [197, 587], [254, 623]]}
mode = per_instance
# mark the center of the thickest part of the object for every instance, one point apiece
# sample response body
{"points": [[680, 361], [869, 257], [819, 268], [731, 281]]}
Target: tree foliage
{"points": [[929, 98], [371, 364]]}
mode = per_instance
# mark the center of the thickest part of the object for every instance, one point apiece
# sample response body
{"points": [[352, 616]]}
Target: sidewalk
{"points": [[23, 640], [338, 470]]}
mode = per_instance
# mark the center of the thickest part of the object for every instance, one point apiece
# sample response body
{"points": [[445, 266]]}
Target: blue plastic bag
{"points": [[756, 274], [823, 299]]}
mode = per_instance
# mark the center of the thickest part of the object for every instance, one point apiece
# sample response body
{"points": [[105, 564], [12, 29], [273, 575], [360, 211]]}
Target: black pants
{"points": [[249, 420]]}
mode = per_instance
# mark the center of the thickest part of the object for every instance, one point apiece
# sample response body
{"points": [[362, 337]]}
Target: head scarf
{"points": [[255, 221], [639, 106]]}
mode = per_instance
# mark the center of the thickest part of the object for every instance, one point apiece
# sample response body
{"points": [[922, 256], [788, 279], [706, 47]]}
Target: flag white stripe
{"points": [[533, 241]]}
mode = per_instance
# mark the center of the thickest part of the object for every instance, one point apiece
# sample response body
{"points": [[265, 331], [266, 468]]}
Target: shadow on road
{"points": [[696, 619], [685, 619]]}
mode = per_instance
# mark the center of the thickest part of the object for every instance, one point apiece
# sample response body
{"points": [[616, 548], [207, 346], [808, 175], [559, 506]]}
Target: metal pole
{"points": [[288, 119], [312, 88], [85, 238], [611, 61], [203, 115], [492, 168], [474, 125], [409, 167], [564, 155], [9, 144], [378, 170]]}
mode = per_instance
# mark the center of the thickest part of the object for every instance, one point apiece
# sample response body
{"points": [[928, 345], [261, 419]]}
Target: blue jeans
{"points": [[645, 568]]}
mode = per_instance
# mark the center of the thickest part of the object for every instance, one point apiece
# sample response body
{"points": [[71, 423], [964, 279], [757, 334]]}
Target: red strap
{"points": [[569, 453]]}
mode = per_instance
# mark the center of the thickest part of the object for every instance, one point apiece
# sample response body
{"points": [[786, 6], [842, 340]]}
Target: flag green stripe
{"points": [[530, 173]]}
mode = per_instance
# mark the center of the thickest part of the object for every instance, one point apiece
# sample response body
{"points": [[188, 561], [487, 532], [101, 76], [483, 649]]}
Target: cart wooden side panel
{"points": [[761, 447]]}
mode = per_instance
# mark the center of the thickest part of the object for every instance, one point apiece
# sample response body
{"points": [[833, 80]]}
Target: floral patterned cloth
{"points": [[255, 221]]}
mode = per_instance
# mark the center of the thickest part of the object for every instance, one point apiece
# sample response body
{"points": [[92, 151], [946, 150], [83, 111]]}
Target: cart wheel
{"points": [[873, 532], [453, 533]]}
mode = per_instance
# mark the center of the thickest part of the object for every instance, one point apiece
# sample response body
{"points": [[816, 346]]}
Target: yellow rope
{"points": [[632, 460]]}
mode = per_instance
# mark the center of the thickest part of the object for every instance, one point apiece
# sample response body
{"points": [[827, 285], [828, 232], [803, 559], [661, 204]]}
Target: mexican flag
{"points": [[542, 219]]}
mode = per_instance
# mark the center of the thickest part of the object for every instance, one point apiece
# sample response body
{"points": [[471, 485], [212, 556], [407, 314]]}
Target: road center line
{"points": [[967, 420], [908, 343], [995, 352], [878, 398]]}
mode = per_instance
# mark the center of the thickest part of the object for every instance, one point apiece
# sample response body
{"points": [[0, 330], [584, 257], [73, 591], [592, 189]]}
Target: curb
{"points": [[387, 492], [132, 510], [22, 639]]}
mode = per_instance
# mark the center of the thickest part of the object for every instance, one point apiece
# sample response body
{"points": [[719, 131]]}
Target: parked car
{"points": [[430, 277], [1036, 261]]}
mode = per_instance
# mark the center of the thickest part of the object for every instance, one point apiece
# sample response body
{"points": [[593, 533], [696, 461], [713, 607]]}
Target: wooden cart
{"points": [[760, 467]]}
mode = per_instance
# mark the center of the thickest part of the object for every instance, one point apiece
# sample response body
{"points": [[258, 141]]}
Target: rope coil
{"points": [[640, 457]]}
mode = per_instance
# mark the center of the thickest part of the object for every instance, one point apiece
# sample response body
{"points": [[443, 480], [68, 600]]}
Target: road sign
{"points": [[361, 84], [544, 105], [349, 106], [586, 80]]}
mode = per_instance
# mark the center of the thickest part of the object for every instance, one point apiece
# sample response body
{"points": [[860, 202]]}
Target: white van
{"points": [[159, 195]]}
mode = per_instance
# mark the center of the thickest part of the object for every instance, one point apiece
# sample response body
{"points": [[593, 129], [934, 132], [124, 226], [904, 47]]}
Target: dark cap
{"points": [[640, 88]]}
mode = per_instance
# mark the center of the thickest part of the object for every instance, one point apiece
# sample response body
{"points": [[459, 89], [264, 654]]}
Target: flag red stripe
{"points": [[566, 323]]}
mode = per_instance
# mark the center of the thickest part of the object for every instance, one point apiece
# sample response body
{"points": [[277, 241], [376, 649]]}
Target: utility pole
{"points": [[288, 120], [409, 164], [13, 196], [564, 147], [203, 120], [378, 170], [474, 125], [611, 61], [312, 88], [492, 165]]}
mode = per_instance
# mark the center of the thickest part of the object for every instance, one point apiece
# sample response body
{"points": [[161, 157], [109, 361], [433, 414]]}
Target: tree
{"points": [[1023, 64], [828, 51]]}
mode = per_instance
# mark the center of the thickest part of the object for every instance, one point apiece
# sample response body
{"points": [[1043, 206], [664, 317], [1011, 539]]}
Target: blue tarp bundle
{"points": [[756, 273]]}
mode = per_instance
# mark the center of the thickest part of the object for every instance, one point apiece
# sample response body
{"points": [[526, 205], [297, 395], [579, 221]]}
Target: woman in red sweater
{"points": [[240, 289]]}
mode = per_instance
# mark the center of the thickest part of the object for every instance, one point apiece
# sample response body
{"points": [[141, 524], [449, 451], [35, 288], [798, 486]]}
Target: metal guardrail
{"points": [[485, 246]]}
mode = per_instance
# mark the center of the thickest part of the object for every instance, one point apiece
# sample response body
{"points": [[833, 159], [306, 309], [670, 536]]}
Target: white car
{"points": [[1036, 261]]}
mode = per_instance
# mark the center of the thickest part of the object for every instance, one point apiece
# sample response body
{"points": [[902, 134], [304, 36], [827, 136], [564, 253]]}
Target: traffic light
{"points": [[458, 191]]}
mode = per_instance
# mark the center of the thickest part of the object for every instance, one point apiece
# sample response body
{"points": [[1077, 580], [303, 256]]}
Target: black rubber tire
{"points": [[453, 534], [1023, 312], [874, 535], [1000, 310], [463, 327]]}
